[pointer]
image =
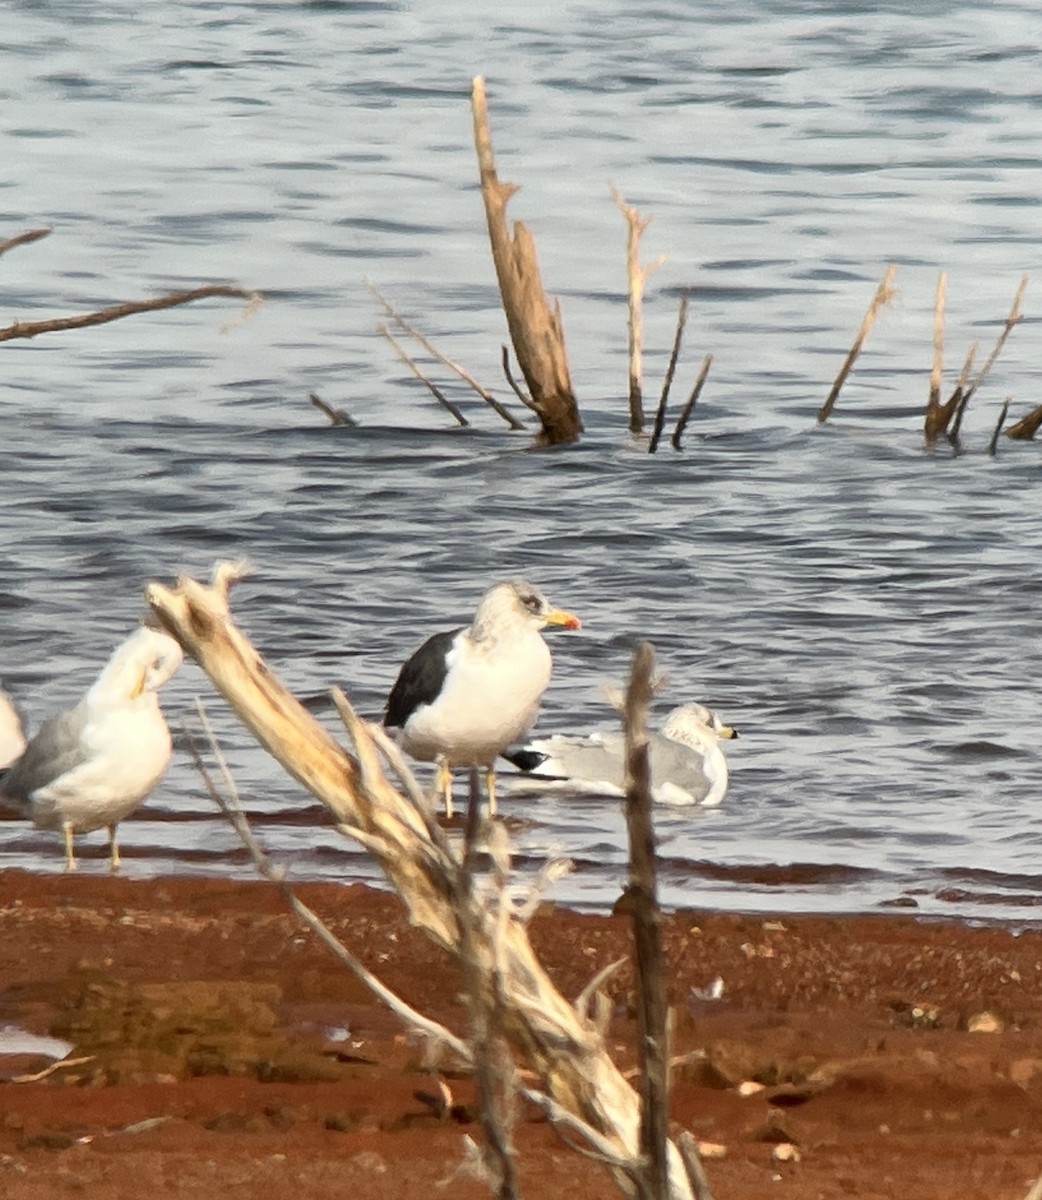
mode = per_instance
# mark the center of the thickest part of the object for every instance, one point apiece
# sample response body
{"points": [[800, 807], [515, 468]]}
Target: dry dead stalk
{"points": [[938, 341], [667, 382], [637, 277], [993, 445], [544, 1030], [696, 391], [431, 349], [336, 416], [535, 329], [643, 905], [433, 388], [30, 329], [884, 294], [23, 239]]}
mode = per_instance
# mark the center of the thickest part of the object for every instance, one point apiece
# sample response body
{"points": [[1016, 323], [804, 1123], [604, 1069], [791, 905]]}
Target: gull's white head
{"points": [[517, 605], [138, 667], [695, 725], [12, 735]]}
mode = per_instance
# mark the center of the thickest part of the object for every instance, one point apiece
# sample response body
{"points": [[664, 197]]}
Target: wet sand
{"points": [[228, 1054]]}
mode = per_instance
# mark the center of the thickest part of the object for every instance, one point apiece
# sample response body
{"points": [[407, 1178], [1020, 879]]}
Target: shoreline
{"points": [[891, 1047]]}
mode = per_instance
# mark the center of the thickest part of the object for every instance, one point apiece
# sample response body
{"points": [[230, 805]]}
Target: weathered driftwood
{"points": [[535, 329], [884, 293], [31, 329], [23, 239], [566, 1051], [452, 365], [1026, 428], [637, 277], [667, 382]]}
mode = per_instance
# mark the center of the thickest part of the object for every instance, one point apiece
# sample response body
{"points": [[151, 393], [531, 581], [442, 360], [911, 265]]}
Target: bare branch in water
{"points": [[884, 294], [667, 382], [23, 239], [688, 408], [433, 388]]}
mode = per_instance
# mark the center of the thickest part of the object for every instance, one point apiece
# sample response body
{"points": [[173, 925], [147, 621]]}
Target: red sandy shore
{"points": [[901, 1059]]}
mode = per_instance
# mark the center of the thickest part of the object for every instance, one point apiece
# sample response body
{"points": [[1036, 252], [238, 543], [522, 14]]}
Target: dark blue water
{"points": [[864, 610]]}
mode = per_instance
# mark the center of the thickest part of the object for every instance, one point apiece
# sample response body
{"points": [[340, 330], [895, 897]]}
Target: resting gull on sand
{"points": [[93, 765], [467, 694], [686, 759]]}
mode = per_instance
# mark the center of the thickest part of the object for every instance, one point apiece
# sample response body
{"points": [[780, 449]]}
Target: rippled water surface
{"points": [[865, 611]]}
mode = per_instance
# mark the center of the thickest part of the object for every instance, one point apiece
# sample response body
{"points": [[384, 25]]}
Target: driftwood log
{"points": [[535, 328], [549, 1035]]}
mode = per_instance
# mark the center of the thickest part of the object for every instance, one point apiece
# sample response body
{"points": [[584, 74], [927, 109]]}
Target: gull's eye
{"points": [[532, 602]]}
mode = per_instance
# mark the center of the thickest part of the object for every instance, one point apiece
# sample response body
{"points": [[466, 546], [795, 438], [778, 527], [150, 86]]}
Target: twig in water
{"points": [[667, 382], [934, 398], [23, 239], [464, 374], [688, 408], [522, 396], [433, 388], [1014, 316], [336, 416], [884, 294], [637, 277], [994, 443], [30, 329]]}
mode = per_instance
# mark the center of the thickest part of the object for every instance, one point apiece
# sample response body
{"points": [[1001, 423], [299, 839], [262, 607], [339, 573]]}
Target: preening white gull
{"points": [[686, 758], [93, 765], [12, 735], [467, 694]]}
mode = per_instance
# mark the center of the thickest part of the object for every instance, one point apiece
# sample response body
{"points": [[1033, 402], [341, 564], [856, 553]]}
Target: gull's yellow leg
{"points": [[490, 787], [113, 850], [70, 858], [445, 786]]}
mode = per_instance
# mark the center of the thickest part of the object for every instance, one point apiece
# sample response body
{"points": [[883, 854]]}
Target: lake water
{"points": [[864, 610]]}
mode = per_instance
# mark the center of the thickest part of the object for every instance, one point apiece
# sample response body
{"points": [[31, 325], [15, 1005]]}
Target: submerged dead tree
{"points": [[584, 1090], [535, 328]]}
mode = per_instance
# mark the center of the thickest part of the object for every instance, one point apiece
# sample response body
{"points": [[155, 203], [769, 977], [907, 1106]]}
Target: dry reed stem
{"points": [[536, 330], [433, 388], [938, 341], [884, 294], [566, 1054], [30, 329], [637, 277], [336, 416], [696, 391], [23, 239], [454, 366], [643, 905], [667, 382]]}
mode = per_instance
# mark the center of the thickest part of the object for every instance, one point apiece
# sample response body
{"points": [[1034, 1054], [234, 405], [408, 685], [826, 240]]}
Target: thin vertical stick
{"points": [[884, 294], [993, 445], [938, 341], [652, 1012], [667, 382], [696, 391], [637, 277]]}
